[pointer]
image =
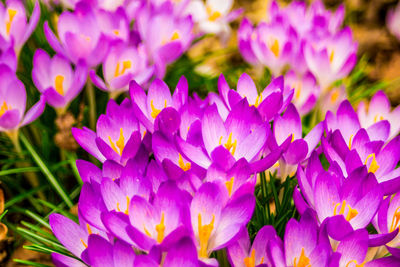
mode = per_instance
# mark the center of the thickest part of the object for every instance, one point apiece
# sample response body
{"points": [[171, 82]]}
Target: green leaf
{"points": [[50, 177]]}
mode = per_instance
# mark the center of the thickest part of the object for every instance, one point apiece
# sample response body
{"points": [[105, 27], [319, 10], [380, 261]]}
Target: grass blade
{"points": [[53, 181]]}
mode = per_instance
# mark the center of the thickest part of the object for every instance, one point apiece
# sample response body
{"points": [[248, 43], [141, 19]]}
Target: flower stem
{"points": [[92, 104]]}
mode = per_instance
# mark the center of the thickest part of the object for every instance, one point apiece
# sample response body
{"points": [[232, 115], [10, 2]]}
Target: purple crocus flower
{"points": [[272, 100], [212, 16], [393, 21], [117, 137], [147, 107], [80, 36], [13, 103], [73, 236], [305, 244], [353, 249], [331, 100], [8, 57], [241, 254], [272, 44], [242, 135], [215, 222], [356, 197], [387, 220], [55, 78], [379, 109], [289, 126], [15, 29], [121, 65], [333, 59], [306, 91], [165, 35]]}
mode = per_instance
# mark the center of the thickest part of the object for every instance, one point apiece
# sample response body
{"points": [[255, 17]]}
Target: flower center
{"points": [[229, 144], [11, 16], [303, 261], [128, 200], [251, 261], [213, 15], [351, 213], [378, 118], [154, 110], [373, 167], [118, 147], [4, 108], [204, 235], [334, 96], [160, 228], [258, 100], [332, 56], [58, 82], [275, 47], [120, 70], [356, 263], [182, 165], [229, 185], [395, 220], [351, 141]]}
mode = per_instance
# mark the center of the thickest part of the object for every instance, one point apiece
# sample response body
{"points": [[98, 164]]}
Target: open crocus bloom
{"points": [[117, 135], [122, 65], [165, 35], [13, 102], [379, 109], [14, 28], [79, 36], [306, 91], [272, 44], [213, 16], [55, 78], [214, 222], [333, 59]]}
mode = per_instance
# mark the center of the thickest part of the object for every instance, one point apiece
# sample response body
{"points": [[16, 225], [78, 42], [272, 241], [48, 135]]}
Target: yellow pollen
{"points": [[374, 164], [146, 231], [229, 144], [160, 228], [59, 84], [395, 220], [204, 235], [126, 64], [182, 165], [334, 96], [275, 48], [298, 91], [331, 56], [213, 15], [4, 108], [350, 215], [118, 147], [356, 263], [378, 118], [229, 185], [276, 165], [89, 229], [85, 37], [83, 243], [258, 100], [175, 36], [351, 141], [116, 32], [251, 261], [304, 261], [11, 15], [154, 110]]}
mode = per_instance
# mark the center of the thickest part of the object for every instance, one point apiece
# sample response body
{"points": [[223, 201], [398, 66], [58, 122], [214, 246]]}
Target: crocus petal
{"points": [[35, 111]]}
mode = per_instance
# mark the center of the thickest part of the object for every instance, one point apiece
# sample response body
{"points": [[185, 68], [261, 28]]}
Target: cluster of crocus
{"points": [[13, 34], [358, 190], [308, 41], [101, 32], [178, 176]]}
